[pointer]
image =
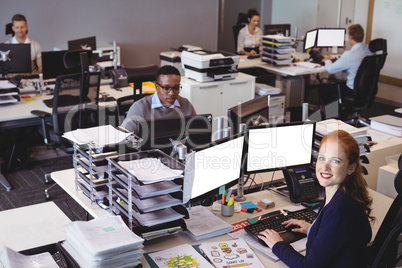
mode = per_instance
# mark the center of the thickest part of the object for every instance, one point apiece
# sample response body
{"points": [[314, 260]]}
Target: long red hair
{"points": [[355, 183]]}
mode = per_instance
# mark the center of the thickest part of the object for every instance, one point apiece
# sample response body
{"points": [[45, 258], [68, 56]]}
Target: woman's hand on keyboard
{"points": [[270, 237], [298, 226]]}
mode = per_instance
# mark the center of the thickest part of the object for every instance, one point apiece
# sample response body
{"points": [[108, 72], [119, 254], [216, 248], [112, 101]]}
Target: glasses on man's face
{"points": [[176, 88]]}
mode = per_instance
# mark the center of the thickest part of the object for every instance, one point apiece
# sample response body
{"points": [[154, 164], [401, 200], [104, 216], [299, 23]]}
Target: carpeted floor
{"points": [[28, 187]]}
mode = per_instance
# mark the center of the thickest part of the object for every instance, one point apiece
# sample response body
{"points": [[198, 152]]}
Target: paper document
{"points": [[7, 99], [11, 258], [157, 217], [150, 170], [6, 84], [181, 256], [203, 224], [153, 189], [231, 253], [308, 65], [99, 136]]}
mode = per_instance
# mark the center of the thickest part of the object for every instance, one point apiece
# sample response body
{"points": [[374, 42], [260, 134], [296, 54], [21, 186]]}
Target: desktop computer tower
{"points": [[276, 113], [293, 88]]}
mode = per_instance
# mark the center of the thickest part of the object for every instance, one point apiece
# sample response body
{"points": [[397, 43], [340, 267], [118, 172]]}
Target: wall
{"points": [[142, 28]]}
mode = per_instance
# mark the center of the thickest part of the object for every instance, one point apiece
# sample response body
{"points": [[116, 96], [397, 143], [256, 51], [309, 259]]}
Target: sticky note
{"points": [[248, 205]]}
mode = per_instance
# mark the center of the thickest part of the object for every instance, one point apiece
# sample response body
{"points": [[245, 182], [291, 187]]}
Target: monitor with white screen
{"points": [[216, 164], [331, 37], [309, 42], [274, 147]]}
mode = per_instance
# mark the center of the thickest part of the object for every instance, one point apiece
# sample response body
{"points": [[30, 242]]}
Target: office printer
{"points": [[206, 66], [174, 57]]}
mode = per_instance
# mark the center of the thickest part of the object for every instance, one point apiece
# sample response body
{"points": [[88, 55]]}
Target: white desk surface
{"points": [[65, 179], [292, 70], [32, 226]]}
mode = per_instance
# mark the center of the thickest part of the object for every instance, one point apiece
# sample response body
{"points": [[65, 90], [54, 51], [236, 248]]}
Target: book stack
{"points": [[103, 242], [277, 49], [387, 123], [360, 134]]}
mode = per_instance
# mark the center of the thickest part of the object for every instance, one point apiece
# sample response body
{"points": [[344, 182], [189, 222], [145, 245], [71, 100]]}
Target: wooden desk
{"points": [[65, 179], [32, 226]]}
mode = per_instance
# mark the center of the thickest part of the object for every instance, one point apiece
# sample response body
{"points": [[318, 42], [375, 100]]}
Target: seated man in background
{"points": [[165, 103], [349, 62], [20, 28]]}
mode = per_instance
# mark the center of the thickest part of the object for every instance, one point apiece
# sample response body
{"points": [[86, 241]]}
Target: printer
{"points": [[174, 57], [206, 66]]}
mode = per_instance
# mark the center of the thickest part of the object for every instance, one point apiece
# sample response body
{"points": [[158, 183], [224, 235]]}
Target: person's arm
{"points": [[240, 42], [340, 64], [39, 64]]}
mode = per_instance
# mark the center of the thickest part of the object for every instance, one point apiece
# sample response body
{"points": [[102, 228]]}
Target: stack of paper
{"points": [[360, 134], [203, 224], [277, 49], [387, 123], [99, 136], [151, 170], [308, 65], [232, 253], [157, 217], [11, 258], [153, 203], [104, 242]]}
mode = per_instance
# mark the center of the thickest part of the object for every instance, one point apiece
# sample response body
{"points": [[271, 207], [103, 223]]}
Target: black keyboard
{"points": [[273, 220]]}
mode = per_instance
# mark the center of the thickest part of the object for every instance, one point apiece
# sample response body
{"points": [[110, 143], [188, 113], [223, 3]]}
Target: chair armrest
{"points": [[41, 114], [339, 93]]}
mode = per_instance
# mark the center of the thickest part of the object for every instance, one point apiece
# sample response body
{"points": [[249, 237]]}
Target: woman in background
{"points": [[339, 235], [249, 38]]}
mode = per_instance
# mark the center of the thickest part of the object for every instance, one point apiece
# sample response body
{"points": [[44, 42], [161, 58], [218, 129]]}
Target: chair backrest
{"points": [[379, 46], [365, 85], [9, 29], [124, 103], [236, 30], [140, 74], [73, 107], [385, 244]]}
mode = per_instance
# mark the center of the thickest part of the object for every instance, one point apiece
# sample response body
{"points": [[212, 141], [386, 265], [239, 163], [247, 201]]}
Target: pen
{"points": [[228, 196], [237, 265], [223, 199]]}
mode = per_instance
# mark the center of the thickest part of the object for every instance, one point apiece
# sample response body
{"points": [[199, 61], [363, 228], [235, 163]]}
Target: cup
{"points": [[227, 211]]}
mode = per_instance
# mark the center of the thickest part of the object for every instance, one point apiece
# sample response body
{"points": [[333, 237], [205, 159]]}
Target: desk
{"points": [[291, 80], [65, 179], [32, 226]]}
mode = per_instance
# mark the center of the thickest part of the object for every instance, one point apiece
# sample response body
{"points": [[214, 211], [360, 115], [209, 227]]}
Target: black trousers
{"points": [[328, 92]]}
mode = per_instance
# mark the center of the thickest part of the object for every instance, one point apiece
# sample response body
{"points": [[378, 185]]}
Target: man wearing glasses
{"points": [[165, 103]]}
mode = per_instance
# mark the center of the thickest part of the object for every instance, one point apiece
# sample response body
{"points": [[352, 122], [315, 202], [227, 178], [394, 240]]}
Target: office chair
{"points": [[140, 74], [9, 29], [365, 88], [241, 22], [74, 103], [123, 104], [384, 250]]}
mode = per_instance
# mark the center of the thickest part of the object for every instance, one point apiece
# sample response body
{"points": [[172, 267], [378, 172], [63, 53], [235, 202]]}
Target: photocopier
{"points": [[206, 66], [174, 57]]}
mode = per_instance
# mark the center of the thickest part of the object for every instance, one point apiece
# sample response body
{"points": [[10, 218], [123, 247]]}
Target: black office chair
{"points": [[123, 104], [74, 105], [365, 89], [9, 29], [140, 74], [384, 250], [241, 22]]}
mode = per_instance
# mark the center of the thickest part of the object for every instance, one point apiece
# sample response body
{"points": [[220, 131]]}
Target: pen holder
{"points": [[227, 211]]}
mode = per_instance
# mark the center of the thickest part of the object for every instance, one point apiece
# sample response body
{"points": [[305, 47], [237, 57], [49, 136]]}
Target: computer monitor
{"points": [[15, 58], [214, 165], [53, 64], [274, 147], [251, 113], [310, 39], [193, 130], [331, 37], [282, 29], [88, 43]]}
